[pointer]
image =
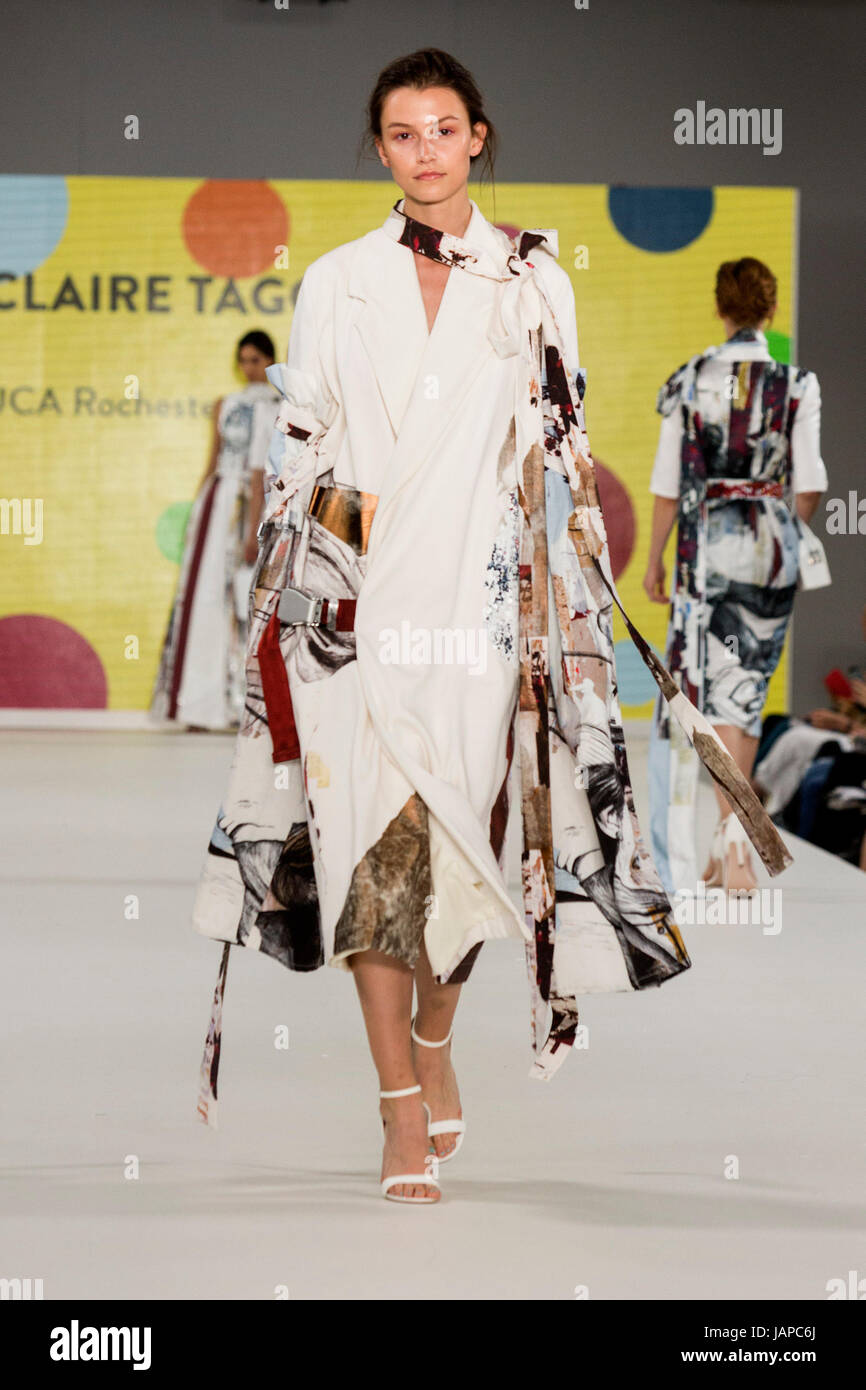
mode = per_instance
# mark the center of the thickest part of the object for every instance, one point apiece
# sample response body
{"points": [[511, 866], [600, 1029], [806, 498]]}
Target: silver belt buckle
{"points": [[296, 607]]}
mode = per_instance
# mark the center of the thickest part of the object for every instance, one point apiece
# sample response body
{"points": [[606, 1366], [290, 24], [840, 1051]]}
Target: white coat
{"points": [[416, 419]]}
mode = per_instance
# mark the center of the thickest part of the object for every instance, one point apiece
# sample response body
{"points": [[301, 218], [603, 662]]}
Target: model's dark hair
{"points": [[745, 291], [430, 67], [259, 340]]}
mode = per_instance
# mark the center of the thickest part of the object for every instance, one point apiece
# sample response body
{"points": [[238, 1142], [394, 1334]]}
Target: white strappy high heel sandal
{"points": [[737, 873], [396, 1178], [457, 1127]]}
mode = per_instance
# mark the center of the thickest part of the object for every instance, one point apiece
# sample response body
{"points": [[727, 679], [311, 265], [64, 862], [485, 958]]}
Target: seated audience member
{"points": [[811, 773]]}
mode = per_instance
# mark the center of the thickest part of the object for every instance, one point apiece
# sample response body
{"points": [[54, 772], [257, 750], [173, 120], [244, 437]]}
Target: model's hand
{"points": [[654, 582], [829, 719], [251, 549]]}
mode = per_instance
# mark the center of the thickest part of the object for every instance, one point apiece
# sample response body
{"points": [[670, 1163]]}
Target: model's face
{"points": [[252, 363], [427, 133]]}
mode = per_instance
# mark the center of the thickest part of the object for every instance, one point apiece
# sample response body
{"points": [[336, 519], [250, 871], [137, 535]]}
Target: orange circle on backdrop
{"points": [[232, 227]]}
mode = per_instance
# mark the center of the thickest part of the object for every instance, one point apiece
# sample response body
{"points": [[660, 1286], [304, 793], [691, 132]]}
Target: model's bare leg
{"points": [[436, 1006], [385, 990], [742, 748]]}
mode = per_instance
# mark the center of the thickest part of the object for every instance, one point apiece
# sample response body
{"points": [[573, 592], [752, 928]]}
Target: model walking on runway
{"points": [[432, 604], [738, 462], [200, 680]]}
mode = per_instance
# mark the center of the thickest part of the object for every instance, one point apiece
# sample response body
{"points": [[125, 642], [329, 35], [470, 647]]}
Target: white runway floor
{"points": [[612, 1176]]}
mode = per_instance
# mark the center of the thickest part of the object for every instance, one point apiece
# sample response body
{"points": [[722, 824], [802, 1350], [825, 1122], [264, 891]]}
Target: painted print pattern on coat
{"points": [[500, 612]]}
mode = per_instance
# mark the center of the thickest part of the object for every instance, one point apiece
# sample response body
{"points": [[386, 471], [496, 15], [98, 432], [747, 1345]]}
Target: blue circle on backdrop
{"points": [[33, 215], [660, 219], [635, 683]]}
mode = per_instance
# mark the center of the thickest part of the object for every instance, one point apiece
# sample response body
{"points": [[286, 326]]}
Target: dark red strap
{"points": [[742, 489], [345, 615], [275, 682], [277, 695]]}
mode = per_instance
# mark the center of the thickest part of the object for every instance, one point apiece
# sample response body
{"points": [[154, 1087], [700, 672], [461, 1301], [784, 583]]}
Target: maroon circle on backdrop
{"points": [[619, 518], [46, 664]]}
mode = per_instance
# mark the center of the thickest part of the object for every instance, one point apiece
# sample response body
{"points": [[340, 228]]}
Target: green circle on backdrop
{"points": [[171, 528], [779, 346]]}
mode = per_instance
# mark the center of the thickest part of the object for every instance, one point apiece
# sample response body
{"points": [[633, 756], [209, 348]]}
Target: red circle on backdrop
{"points": [[46, 664], [509, 228], [619, 519], [232, 227]]}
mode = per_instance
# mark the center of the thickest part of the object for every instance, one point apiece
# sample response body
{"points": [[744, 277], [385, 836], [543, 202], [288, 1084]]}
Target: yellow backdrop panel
{"points": [[123, 300]]}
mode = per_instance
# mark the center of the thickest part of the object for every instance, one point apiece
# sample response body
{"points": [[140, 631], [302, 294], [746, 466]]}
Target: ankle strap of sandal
{"points": [[424, 1041], [733, 830], [392, 1095]]}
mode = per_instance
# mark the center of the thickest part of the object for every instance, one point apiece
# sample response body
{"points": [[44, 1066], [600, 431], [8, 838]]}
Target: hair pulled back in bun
{"points": [[745, 291]]}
